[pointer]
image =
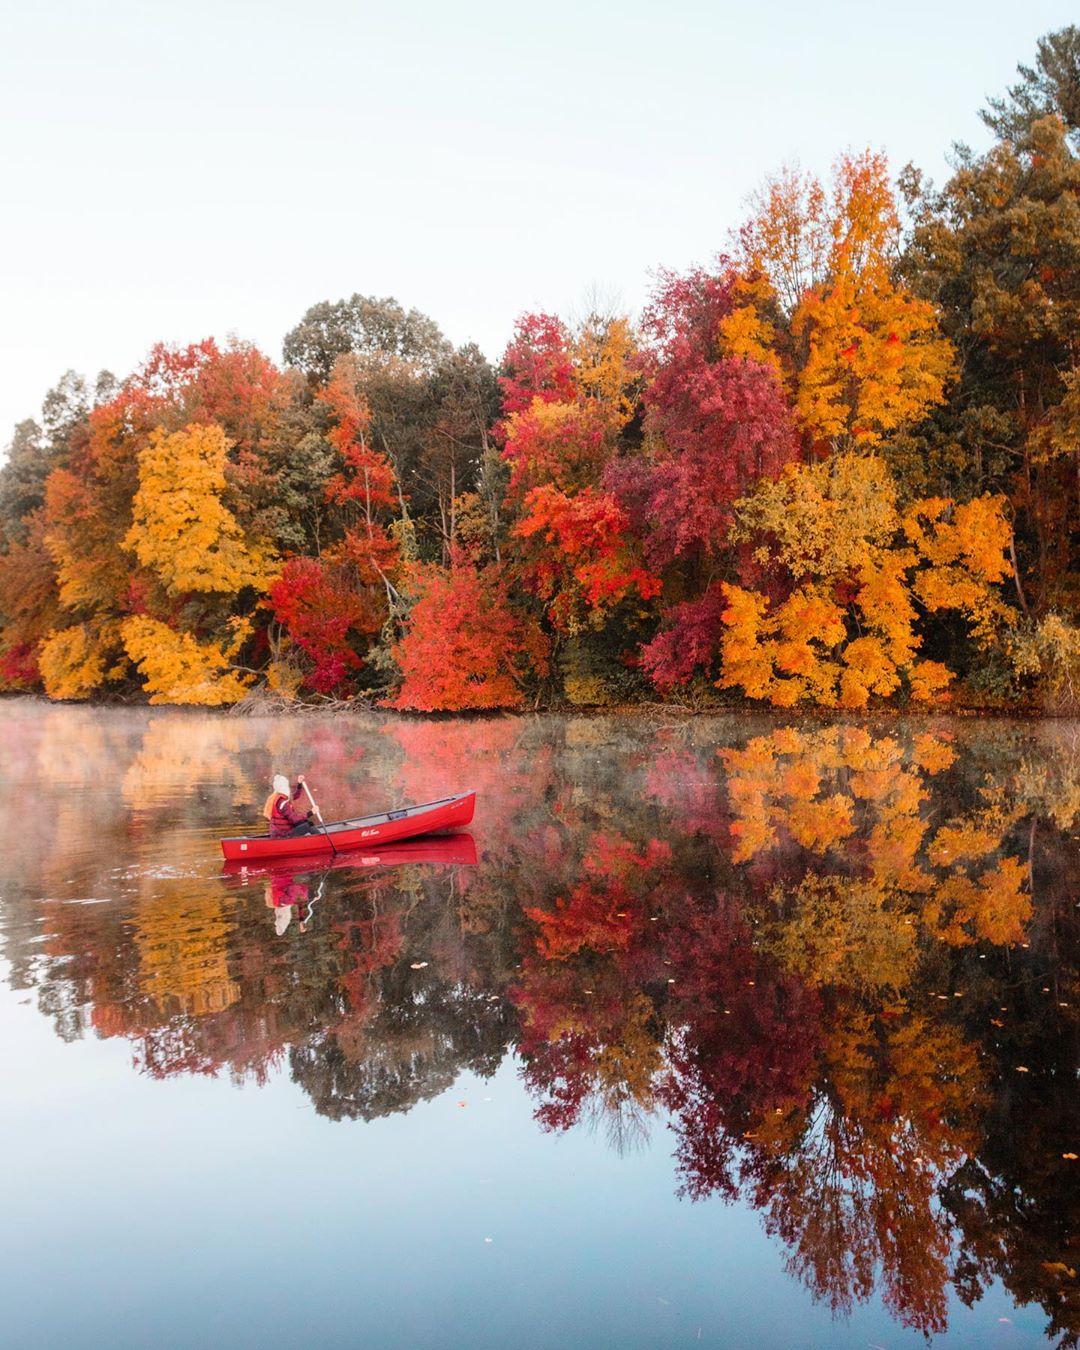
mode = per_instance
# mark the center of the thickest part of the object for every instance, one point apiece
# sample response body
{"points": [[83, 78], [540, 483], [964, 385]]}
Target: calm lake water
{"points": [[715, 1031]]}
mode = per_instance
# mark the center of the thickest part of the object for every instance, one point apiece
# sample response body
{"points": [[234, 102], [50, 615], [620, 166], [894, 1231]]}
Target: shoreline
{"points": [[278, 708]]}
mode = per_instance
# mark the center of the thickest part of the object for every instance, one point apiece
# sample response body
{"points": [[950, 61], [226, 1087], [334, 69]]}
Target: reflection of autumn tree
{"points": [[588, 1048], [850, 1181], [182, 940], [1017, 1202], [423, 1035], [860, 801], [847, 1157], [590, 1037], [743, 1042]]}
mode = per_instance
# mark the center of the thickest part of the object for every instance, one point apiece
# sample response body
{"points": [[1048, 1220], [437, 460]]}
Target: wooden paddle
{"points": [[318, 817]]}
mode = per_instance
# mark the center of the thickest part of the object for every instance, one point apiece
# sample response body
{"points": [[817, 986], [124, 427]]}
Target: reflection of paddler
{"points": [[286, 819], [282, 894]]}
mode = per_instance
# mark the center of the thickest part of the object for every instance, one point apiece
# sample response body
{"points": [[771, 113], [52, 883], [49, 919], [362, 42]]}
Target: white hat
{"points": [[281, 783]]}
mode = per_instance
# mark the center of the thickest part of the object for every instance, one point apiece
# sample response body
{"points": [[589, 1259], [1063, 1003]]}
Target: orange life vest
{"points": [[271, 801]]}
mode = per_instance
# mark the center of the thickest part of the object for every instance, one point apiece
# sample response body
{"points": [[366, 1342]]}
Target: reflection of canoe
{"points": [[446, 814], [451, 850]]}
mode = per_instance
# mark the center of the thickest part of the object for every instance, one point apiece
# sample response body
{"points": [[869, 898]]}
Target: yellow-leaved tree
{"points": [[193, 546], [856, 572], [177, 668], [74, 661], [182, 530]]}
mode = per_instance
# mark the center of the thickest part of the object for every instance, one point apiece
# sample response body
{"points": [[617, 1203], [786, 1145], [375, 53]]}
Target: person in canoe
{"points": [[285, 818]]}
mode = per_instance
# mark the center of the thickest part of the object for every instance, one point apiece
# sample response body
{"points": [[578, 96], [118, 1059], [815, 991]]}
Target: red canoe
{"points": [[447, 813]]}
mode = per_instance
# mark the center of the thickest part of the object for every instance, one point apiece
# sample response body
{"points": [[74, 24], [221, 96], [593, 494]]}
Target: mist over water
{"points": [[717, 1030]]}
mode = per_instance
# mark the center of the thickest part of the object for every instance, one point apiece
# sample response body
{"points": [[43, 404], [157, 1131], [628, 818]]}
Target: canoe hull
{"points": [[448, 813]]}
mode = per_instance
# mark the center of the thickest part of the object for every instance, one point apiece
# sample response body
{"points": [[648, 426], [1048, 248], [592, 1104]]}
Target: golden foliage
{"points": [[1049, 653], [177, 668], [182, 943], [992, 907], [835, 529], [839, 931], [74, 661], [746, 332], [181, 530], [823, 519], [603, 353]]}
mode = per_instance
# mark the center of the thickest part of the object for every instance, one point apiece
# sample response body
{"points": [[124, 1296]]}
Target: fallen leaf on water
{"points": [[1071, 1156], [994, 1022], [418, 965], [1020, 1068]]}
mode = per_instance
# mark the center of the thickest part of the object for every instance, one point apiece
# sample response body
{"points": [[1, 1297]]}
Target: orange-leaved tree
{"points": [[463, 646], [29, 605], [863, 355]]}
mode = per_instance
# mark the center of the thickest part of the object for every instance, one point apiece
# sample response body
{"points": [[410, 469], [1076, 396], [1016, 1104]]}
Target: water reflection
{"points": [[839, 962]]}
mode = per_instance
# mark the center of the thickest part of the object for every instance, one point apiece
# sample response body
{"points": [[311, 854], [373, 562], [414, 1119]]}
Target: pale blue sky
{"points": [[173, 170]]}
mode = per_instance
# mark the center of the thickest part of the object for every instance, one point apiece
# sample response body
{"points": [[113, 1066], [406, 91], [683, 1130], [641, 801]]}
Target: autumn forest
{"points": [[838, 467]]}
